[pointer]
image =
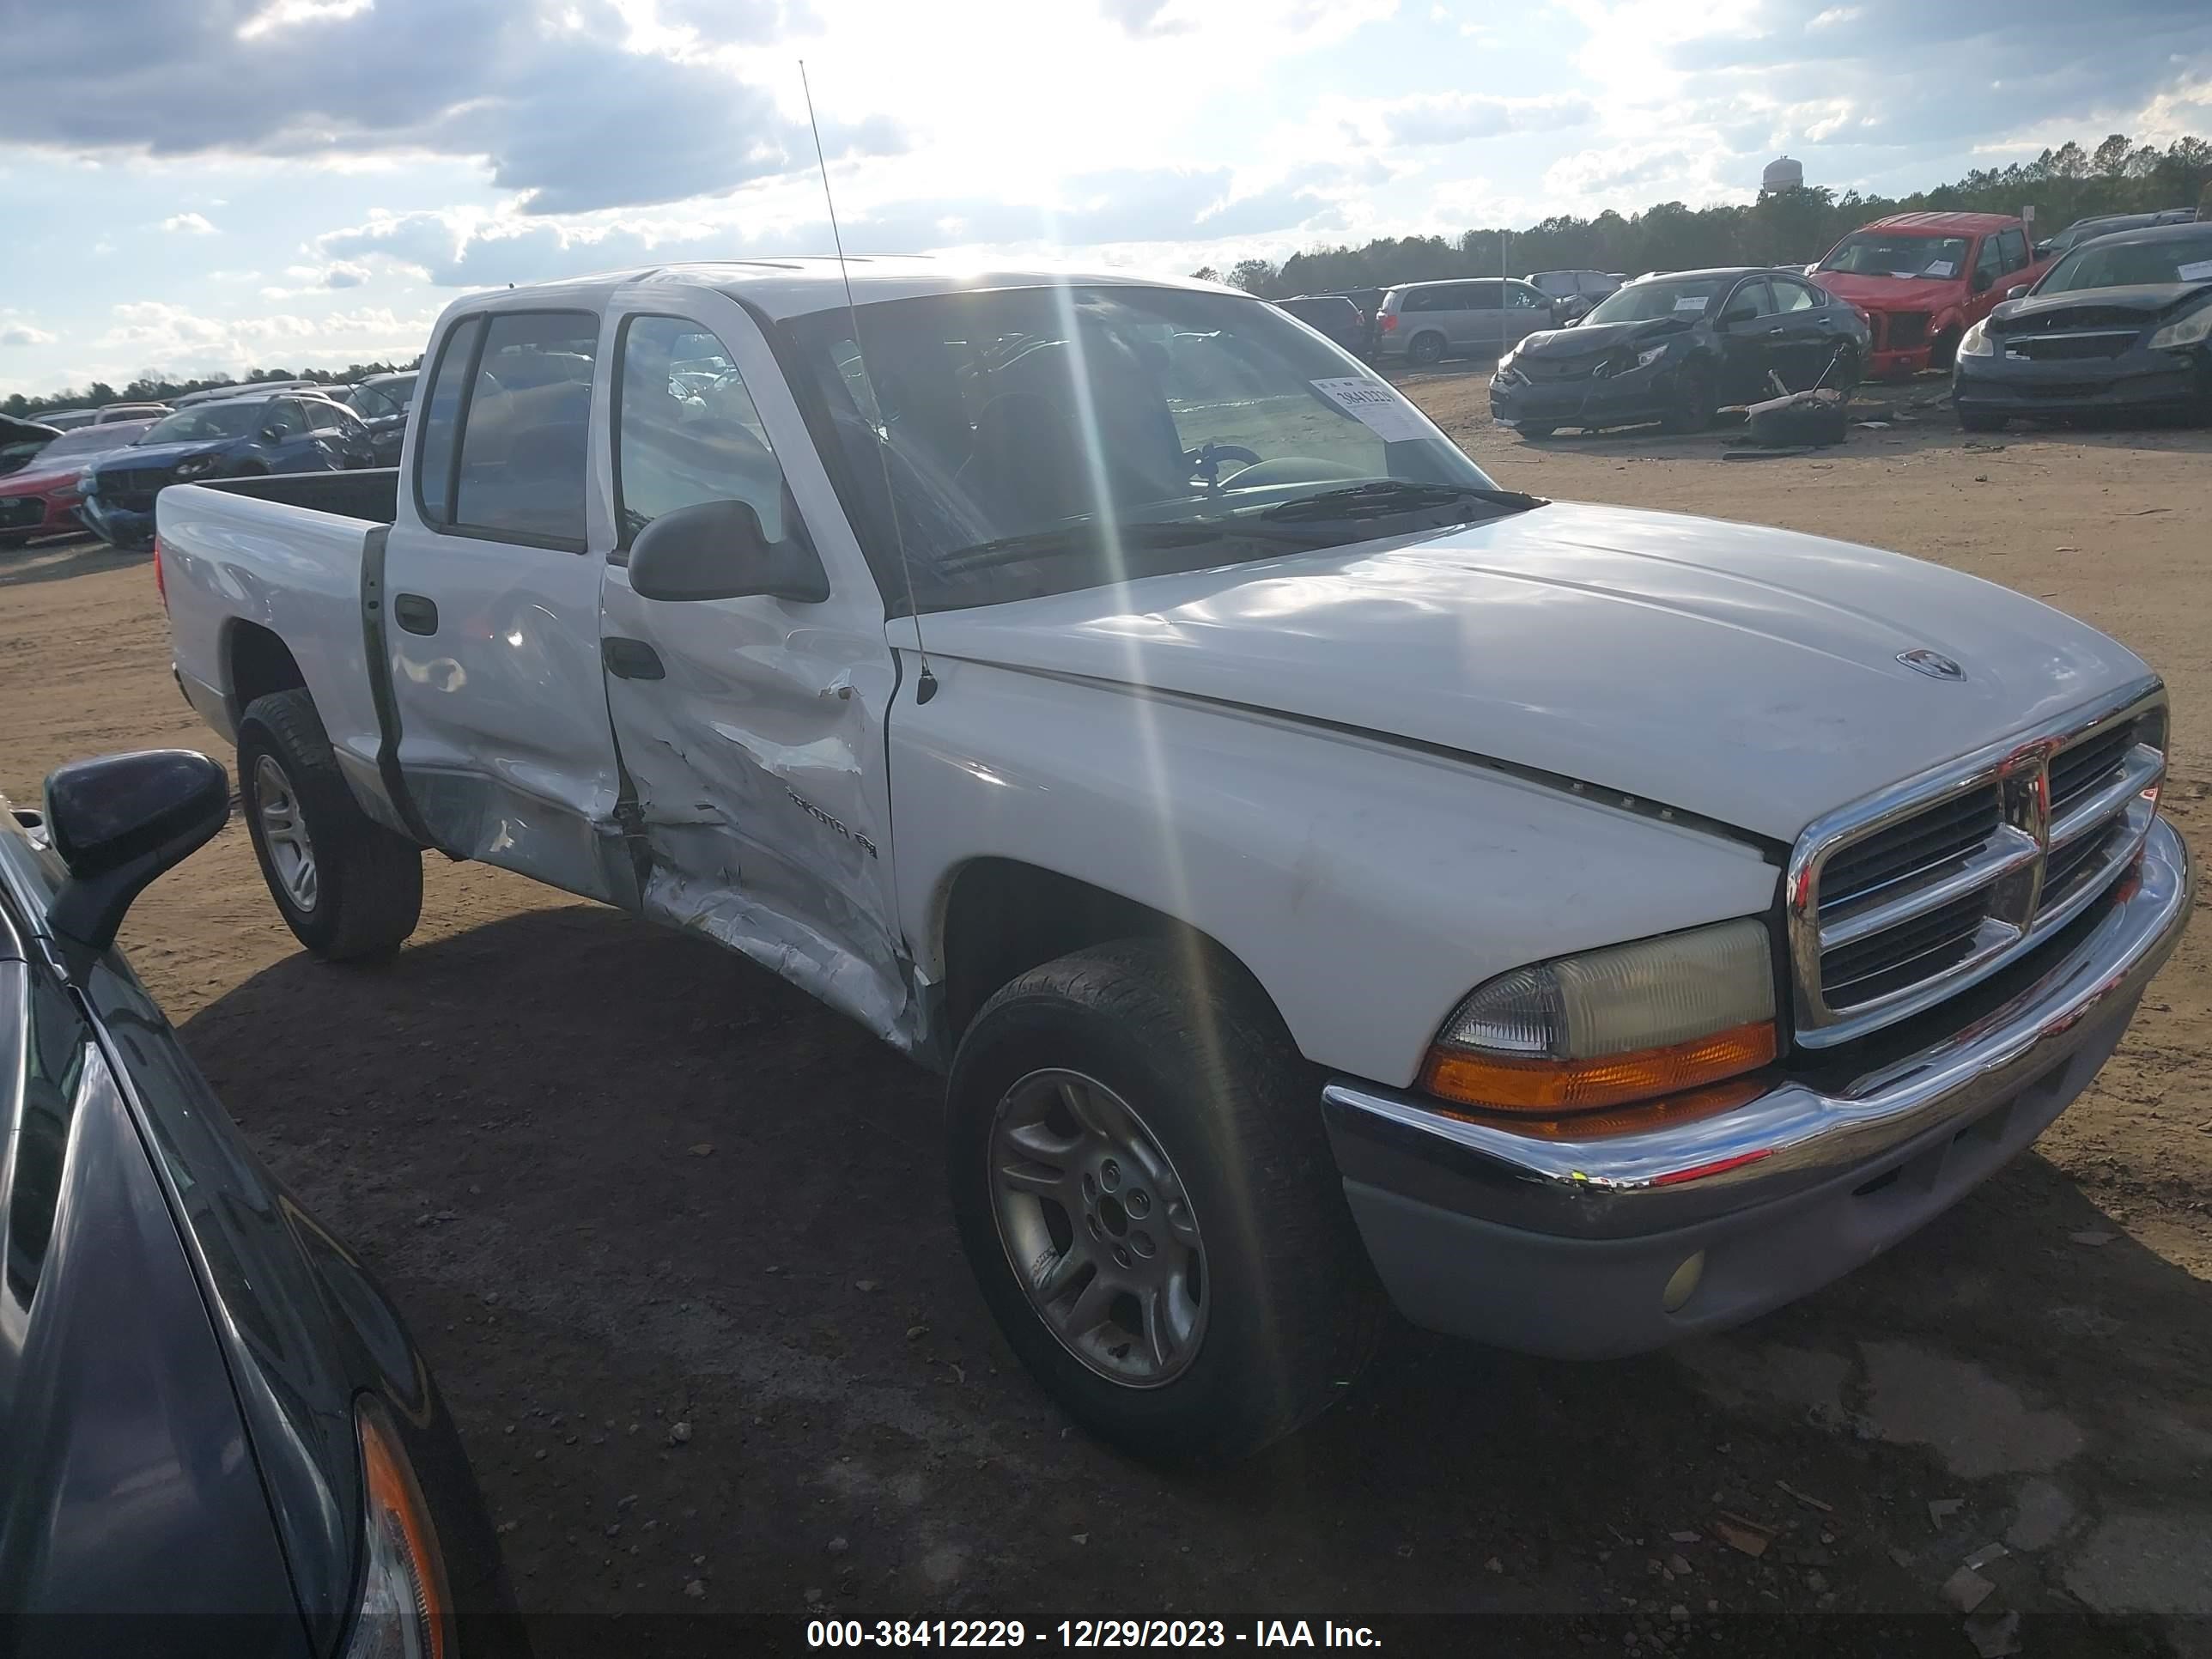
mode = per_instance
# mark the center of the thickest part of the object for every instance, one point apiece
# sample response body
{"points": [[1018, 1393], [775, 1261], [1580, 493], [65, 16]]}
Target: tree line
{"points": [[1783, 228], [153, 388]]}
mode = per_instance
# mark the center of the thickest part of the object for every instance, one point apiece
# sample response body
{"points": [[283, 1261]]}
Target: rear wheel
{"points": [[1425, 350], [1146, 1196], [348, 887], [1536, 429], [1843, 369]]}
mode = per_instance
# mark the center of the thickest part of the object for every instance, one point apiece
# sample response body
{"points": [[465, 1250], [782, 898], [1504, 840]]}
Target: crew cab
{"points": [[1323, 875], [1923, 279]]}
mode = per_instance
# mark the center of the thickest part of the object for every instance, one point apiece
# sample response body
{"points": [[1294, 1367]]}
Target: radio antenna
{"points": [[925, 684]]}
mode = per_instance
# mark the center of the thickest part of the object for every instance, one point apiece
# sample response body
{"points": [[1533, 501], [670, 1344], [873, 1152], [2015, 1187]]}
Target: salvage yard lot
{"points": [[623, 1182]]}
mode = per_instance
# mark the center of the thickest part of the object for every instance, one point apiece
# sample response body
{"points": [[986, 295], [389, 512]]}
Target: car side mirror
{"points": [[2043, 250], [2017, 291], [121, 820], [717, 551]]}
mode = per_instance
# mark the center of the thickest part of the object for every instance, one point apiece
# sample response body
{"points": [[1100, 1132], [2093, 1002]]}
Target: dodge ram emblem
{"points": [[1934, 664]]}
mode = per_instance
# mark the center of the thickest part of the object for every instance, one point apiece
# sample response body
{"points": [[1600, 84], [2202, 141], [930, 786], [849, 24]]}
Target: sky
{"points": [[191, 186]]}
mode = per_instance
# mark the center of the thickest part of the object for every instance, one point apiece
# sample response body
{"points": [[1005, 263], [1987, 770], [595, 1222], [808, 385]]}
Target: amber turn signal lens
{"points": [[1555, 1086]]}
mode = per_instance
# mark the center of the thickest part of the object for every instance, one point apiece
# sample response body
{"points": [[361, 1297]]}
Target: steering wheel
{"points": [[1205, 462]]}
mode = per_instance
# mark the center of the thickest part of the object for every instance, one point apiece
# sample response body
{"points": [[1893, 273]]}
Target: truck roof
{"points": [[1946, 224], [796, 286]]}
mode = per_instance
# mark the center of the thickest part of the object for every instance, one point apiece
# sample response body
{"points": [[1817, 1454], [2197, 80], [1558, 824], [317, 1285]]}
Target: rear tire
{"points": [[1532, 429], [1843, 371], [1425, 350], [1178, 1055], [348, 888]]}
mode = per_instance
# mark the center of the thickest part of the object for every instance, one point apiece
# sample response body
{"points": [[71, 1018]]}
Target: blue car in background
{"points": [[281, 432]]}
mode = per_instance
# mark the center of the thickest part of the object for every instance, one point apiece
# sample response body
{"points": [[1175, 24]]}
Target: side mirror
{"points": [[717, 551], [2043, 250], [2017, 291], [118, 822]]}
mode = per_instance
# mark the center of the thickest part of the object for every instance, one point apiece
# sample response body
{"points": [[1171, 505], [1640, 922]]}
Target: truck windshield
{"points": [[1885, 254], [1040, 440]]}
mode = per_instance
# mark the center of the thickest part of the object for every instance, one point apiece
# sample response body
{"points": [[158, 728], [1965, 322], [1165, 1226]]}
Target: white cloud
{"points": [[286, 14], [22, 334], [192, 224]]}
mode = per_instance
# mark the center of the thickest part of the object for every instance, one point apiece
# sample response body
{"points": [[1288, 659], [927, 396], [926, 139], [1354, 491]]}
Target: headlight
{"points": [[192, 465], [1975, 342], [2193, 330], [403, 1610], [1630, 1022]]}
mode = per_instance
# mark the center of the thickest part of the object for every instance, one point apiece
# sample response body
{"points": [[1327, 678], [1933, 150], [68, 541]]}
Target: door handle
{"points": [[631, 660], [415, 613], [1774, 333]]}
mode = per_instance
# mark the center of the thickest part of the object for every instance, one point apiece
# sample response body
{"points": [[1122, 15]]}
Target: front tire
{"points": [[1146, 1196], [1975, 420], [1425, 350], [1536, 429], [1692, 409], [348, 888]]}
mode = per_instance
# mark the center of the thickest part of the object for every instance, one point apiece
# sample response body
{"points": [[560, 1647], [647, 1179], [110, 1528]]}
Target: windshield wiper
{"points": [[1141, 536], [1380, 499]]}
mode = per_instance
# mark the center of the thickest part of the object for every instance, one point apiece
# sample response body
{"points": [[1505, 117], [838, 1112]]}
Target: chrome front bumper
{"points": [[1799, 1185]]}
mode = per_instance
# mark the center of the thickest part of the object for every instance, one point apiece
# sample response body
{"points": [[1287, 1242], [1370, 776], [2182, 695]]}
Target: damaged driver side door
{"points": [[748, 724]]}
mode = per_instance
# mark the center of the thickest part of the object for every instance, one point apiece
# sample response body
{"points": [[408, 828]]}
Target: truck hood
{"points": [[1747, 674], [1894, 293]]}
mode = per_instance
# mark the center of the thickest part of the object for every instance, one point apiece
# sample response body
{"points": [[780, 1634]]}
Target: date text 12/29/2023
{"points": [[1077, 1634]]}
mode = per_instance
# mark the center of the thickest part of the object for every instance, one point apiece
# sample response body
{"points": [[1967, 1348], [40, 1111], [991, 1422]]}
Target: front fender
{"points": [[1367, 886]]}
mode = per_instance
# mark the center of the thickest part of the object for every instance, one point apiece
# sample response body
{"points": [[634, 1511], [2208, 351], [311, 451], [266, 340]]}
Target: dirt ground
{"points": [[623, 1182]]}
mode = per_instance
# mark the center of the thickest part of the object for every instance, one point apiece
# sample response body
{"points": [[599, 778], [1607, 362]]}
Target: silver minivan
{"points": [[1427, 322]]}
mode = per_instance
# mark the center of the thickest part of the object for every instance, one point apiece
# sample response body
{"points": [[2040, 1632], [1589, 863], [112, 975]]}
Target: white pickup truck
{"points": [[1324, 876]]}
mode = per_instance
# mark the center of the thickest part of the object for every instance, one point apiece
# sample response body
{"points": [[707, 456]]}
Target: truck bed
{"points": [[371, 495], [264, 578]]}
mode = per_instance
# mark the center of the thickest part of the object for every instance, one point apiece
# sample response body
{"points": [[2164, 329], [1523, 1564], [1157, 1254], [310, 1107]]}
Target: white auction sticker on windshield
{"points": [[2198, 271], [1941, 268], [1692, 303], [1375, 407]]}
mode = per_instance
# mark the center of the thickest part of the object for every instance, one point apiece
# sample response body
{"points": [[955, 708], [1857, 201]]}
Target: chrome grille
{"points": [[1909, 896]]}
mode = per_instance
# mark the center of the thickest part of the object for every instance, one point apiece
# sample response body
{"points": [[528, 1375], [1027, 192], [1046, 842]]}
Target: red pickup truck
{"points": [[1923, 279]]}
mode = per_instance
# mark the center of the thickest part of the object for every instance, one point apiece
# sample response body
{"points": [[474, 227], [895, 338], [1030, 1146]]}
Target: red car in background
{"points": [[41, 497], [1923, 279]]}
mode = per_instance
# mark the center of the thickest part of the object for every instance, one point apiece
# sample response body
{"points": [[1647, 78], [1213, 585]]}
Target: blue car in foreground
{"points": [[218, 1438], [237, 437]]}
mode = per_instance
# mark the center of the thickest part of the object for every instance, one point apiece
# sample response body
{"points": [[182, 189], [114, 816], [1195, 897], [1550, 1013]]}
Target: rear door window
{"points": [[435, 449], [526, 430], [326, 417], [1792, 296]]}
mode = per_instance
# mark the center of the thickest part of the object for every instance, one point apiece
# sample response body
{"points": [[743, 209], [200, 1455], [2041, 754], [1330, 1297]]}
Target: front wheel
{"points": [[347, 887], [1146, 1197], [1975, 420], [1693, 408], [1536, 429], [1425, 350]]}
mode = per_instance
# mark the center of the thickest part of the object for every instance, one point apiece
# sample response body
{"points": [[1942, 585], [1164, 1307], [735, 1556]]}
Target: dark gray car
{"points": [[1674, 349], [217, 1436]]}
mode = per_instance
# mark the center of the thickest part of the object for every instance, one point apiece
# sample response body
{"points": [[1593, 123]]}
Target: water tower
{"points": [[1782, 173]]}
